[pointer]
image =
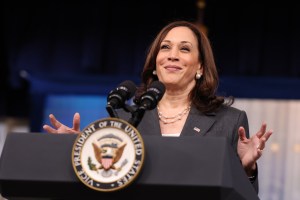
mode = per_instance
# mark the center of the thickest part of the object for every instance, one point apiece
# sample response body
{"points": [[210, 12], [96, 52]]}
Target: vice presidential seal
{"points": [[108, 154]]}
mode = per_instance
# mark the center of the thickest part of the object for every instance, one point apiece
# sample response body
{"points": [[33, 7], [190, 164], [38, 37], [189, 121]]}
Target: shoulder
{"points": [[231, 115], [229, 110], [223, 115]]}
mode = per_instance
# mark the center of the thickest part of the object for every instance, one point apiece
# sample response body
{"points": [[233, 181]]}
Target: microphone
{"points": [[148, 101], [117, 97], [152, 96]]}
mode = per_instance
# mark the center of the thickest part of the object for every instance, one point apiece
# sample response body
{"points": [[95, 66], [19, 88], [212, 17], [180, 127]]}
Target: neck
{"points": [[169, 102]]}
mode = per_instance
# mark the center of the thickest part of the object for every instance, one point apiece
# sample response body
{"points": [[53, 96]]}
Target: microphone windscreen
{"points": [[159, 89], [129, 87]]}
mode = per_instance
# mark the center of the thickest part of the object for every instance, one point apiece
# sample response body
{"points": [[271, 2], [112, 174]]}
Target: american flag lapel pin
{"points": [[197, 129]]}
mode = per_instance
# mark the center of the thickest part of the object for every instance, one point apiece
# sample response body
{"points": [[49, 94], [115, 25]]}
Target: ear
{"points": [[200, 69]]}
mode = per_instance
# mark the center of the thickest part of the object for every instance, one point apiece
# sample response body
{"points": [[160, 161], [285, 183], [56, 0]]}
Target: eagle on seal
{"points": [[109, 151]]}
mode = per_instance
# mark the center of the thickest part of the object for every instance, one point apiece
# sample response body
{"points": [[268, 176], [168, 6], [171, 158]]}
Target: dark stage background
{"points": [[89, 47]]}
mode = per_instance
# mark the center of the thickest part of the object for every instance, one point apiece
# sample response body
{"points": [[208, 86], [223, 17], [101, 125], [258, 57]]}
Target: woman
{"points": [[181, 58]]}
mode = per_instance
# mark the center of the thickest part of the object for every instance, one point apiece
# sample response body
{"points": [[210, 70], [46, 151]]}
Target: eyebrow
{"points": [[183, 42]]}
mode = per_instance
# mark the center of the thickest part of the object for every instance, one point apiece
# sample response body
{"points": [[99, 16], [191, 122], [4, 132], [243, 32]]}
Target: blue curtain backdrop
{"points": [[89, 47]]}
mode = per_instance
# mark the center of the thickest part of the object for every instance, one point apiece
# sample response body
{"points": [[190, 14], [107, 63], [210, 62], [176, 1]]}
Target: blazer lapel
{"points": [[150, 123], [198, 123]]}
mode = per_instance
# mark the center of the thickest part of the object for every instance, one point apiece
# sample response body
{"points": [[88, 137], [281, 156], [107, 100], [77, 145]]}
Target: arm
{"points": [[249, 149]]}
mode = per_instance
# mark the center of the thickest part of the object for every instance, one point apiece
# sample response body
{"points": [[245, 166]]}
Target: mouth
{"points": [[172, 68]]}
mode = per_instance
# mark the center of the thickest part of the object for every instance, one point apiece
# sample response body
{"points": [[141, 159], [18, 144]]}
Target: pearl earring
{"points": [[198, 76], [154, 72]]}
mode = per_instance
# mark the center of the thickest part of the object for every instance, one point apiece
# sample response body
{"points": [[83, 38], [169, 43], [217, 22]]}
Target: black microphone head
{"points": [[153, 95], [158, 88], [117, 97]]}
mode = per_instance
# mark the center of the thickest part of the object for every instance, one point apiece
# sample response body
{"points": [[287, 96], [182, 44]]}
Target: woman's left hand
{"points": [[250, 150]]}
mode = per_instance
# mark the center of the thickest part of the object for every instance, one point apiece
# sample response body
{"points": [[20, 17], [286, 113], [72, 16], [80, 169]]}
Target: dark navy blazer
{"points": [[223, 122]]}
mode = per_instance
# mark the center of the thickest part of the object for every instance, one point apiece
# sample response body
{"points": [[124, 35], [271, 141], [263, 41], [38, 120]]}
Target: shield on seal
{"points": [[106, 162]]}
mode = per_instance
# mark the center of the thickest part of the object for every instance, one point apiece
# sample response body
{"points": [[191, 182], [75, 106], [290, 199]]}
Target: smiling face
{"points": [[177, 61]]}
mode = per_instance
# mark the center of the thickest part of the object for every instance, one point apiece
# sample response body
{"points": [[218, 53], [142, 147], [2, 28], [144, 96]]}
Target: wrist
{"points": [[250, 169], [252, 178], [252, 174]]}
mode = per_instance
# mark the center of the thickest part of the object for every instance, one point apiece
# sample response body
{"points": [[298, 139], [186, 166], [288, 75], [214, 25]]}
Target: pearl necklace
{"points": [[172, 119]]}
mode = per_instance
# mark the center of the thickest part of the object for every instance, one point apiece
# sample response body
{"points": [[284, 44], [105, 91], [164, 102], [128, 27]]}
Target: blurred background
{"points": [[61, 58]]}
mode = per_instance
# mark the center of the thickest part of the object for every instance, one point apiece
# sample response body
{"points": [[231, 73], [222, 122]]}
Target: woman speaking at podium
{"points": [[181, 58]]}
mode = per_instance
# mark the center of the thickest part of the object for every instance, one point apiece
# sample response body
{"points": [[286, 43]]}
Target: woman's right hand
{"points": [[61, 128]]}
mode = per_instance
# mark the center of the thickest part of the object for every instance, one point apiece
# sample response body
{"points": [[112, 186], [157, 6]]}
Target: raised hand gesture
{"points": [[58, 127]]}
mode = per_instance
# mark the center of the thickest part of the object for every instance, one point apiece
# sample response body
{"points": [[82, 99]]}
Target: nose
{"points": [[173, 56]]}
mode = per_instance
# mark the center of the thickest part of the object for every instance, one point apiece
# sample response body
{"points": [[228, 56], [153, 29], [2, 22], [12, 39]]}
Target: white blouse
{"points": [[171, 134]]}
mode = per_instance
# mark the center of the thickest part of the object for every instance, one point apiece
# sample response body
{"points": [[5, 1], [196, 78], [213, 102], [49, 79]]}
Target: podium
{"points": [[37, 165]]}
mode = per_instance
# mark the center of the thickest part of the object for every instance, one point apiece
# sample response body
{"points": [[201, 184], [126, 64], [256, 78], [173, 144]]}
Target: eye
{"points": [[185, 49], [165, 46]]}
